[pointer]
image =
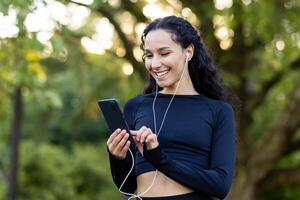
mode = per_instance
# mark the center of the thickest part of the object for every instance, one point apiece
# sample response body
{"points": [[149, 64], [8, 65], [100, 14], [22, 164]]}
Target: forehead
{"points": [[159, 38]]}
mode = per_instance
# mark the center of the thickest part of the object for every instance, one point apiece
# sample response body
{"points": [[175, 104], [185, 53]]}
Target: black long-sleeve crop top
{"points": [[196, 144]]}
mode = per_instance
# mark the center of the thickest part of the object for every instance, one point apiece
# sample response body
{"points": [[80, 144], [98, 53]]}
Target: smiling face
{"points": [[165, 61]]}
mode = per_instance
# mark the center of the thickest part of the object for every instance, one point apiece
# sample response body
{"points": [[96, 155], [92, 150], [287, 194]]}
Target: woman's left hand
{"points": [[145, 136]]}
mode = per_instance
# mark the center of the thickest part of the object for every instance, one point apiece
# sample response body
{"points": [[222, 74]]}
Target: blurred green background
{"points": [[58, 57]]}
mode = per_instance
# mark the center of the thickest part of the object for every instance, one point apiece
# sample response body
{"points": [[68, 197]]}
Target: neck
{"points": [[186, 87], [180, 91]]}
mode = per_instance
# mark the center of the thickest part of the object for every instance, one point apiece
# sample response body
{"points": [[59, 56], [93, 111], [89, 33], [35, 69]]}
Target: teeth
{"points": [[162, 73]]}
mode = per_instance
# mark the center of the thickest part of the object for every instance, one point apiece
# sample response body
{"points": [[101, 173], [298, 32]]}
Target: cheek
{"points": [[172, 61], [147, 64]]}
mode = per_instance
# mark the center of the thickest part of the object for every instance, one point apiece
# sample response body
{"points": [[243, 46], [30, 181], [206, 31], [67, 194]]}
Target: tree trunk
{"points": [[14, 144], [243, 188]]}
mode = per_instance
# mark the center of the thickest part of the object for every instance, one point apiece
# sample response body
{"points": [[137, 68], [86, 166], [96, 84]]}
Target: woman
{"points": [[182, 127]]}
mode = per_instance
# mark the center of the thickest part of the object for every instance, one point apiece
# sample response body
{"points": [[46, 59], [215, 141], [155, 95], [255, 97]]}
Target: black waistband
{"points": [[189, 196]]}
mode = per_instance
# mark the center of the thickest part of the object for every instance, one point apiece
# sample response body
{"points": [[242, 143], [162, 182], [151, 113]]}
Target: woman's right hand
{"points": [[118, 143]]}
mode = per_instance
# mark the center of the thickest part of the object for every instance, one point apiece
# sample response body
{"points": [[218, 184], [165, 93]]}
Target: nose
{"points": [[155, 63]]}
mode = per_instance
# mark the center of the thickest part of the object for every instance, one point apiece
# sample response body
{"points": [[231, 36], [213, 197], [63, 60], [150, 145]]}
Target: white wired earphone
{"points": [[154, 119]]}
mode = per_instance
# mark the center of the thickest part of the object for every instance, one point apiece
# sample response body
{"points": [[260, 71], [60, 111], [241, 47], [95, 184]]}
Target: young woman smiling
{"points": [[184, 130]]}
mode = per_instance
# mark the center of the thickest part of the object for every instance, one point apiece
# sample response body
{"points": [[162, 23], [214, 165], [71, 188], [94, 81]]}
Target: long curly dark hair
{"points": [[201, 69]]}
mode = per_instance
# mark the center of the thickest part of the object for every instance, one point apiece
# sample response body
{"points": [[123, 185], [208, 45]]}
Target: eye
{"points": [[165, 53], [147, 55]]}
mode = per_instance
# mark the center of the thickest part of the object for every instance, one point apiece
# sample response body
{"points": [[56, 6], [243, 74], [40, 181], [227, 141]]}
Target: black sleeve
{"points": [[215, 181], [120, 168]]}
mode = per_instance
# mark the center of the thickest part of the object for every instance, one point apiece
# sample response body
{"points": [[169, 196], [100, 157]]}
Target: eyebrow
{"points": [[159, 49]]}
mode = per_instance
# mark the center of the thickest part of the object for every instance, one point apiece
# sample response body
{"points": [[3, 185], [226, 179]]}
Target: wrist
{"points": [[115, 157], [151, 146], [153, 155]]}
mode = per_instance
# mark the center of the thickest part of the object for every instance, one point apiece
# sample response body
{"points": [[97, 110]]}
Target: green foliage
{"points": [[5, 114], [62, 123], [20, 64], [3, 159], [20, 4], [71, 112], [97, 3], [291, 192], [49, 172], [277, 99]]}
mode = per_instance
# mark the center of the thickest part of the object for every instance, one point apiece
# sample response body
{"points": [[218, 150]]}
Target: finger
{"points": [[151, 138], [140, 147], [117, 139], [151, 141], [134, 138], [140, 132], [121, 144], [133, 132], [125, 148], [145, 134], [113, 135]]}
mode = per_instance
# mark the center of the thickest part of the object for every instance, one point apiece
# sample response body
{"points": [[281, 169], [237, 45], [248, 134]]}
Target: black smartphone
{"points": [[113, 116]]}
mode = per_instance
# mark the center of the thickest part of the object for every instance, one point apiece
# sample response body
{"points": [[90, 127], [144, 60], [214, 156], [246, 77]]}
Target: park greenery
{"points": [[52, 136]]}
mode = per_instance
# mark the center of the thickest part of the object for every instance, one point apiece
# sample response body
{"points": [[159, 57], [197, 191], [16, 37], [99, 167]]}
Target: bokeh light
{"points": [[127, 69]]}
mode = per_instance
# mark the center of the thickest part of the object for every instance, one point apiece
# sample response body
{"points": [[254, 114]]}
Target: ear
{"points": [[189, 52]]}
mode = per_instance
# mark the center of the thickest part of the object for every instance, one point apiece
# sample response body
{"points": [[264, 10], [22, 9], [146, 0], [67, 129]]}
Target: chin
{"points": [[163, 84]]}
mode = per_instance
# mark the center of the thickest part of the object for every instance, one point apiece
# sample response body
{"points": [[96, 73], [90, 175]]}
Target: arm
{"points": [[216, 180], [120, 168]]}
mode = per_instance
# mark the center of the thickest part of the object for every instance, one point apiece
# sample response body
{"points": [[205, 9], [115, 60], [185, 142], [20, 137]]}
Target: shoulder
{"points": [[225, 113], [135, 102], [223, 118], [225, 107], [219, 105], [220, 109]]}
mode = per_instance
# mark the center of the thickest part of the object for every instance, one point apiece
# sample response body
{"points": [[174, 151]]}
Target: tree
{"points": [[20, 70], [24, 73], [259, 57], [21, 74], [256, 47]]}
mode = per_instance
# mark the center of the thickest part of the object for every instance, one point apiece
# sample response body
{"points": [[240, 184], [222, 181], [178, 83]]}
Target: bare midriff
{"points": [[162, 186]]}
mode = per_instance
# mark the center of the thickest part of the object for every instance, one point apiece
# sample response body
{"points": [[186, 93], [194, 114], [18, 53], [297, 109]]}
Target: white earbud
{"points": [[188, 57]]}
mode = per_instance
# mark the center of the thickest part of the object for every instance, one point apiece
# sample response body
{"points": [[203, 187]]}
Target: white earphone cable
{"points": [[154, 119], [153, 105]]}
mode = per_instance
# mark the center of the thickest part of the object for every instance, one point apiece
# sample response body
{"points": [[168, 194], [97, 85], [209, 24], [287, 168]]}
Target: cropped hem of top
{"points": [[197, 143], [188, 196]]}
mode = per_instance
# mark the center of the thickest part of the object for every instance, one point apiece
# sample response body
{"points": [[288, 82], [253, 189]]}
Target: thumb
{"points": [[133, 132], [140, 147]]}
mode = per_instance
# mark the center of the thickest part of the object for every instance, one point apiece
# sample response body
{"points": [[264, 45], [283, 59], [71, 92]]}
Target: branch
{"points": [[200, 8], [107, 11], [135, 9], [128, 45], [235, 66], [274, 141], [291, 148], [296, 64], [270, 83], [279, 177]]}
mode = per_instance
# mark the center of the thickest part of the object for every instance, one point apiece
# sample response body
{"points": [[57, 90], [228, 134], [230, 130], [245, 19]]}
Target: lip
{"points": [[161, 74]]}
